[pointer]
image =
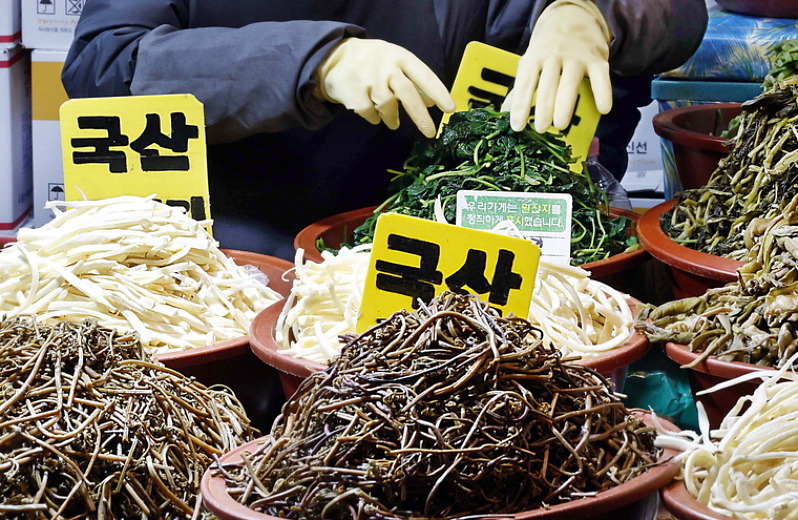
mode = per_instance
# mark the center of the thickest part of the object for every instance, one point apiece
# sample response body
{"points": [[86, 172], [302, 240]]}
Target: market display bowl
{"points": [[231, 362], [293, 370], [5, 239], [604, 505], [338, 229], [683, 506], [762, 8], [694, 133], [711, 371], [692, 272]]}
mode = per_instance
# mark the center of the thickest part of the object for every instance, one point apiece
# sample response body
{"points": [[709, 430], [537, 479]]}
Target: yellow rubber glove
{"points": [[373, 77], [570, 40]]}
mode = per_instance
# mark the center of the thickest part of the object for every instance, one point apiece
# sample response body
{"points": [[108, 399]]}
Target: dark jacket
{"points": [[278, 157]]}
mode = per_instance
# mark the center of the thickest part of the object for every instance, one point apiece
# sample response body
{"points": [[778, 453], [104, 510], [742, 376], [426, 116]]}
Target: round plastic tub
{"points": [[762, 8], [683, 506], [338, 229], [605, 505], [693, 272], [694, 134], [293, 370], [708, 373]]}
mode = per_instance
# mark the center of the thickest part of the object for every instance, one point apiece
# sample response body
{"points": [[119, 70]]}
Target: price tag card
{"points": [[485, 76], [543, 218], [414, 259], [136, 145]]}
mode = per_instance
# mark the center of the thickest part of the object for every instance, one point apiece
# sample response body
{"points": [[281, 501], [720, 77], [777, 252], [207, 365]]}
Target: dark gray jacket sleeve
{"points": [[649, 36], [143, 47]]}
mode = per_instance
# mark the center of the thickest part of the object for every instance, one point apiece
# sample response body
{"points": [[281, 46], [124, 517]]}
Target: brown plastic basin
{"points": [[225, 507], [762, 8], [694, 133], [693, 272], [712, 371], [338, 229], [293, 370], [683, 506]]}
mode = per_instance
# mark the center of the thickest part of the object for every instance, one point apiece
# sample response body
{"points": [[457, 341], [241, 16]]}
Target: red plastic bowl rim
{"points": [[711, 365], [216, 498], [684, 506], [261, 339], [665, 249], [665, 127], [306, 239]]}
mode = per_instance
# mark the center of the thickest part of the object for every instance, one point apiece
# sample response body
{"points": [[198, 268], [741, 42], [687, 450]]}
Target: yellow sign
{"points": [[486, 75], [137, 145], [414, 259]]}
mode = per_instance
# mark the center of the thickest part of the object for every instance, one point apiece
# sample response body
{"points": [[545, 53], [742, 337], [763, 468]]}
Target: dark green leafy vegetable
{"points": [[477, 150]]}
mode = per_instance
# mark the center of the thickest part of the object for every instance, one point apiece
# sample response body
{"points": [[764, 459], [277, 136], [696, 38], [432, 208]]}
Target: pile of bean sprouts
{"points": [[578, 315], [748, 467], [753, 320], [90, 428], [751, 184], [446, 412], [131, 263]]}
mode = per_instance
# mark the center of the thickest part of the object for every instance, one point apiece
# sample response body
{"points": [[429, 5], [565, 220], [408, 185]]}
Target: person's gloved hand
{"points": [[372, 77], [569, 41]]}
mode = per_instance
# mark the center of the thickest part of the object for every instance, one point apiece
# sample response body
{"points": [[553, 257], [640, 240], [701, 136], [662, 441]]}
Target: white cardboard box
{"points": [[47, 97], [49, 24], [15, 136], [10, 22]]}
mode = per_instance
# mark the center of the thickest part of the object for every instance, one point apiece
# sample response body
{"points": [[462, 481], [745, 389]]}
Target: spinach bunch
{"points": [[477, 150]]}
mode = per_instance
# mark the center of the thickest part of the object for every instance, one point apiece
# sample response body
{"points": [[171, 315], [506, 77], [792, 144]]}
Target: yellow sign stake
{"points": [[414, 259], [136, 145]]}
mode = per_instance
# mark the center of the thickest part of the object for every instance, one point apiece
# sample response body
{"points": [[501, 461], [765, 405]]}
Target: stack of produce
{"points": [[579, 316], [136, 264], [477, 150], [448, 411], [90, 428], [751, 185], [753, 320], [748, 468]]}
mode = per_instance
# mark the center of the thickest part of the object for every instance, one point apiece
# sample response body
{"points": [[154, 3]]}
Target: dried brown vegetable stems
{"points": [[91, 428], [753, 320], [448, 411], [751, 184]]}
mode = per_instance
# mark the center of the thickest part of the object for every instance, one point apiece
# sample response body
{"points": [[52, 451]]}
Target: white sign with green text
{"points": [[543, 218]]}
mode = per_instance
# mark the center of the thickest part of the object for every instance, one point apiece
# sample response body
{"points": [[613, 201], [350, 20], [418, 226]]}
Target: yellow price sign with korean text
{"points": [[415, 259], [136, 145], [484, 78]]}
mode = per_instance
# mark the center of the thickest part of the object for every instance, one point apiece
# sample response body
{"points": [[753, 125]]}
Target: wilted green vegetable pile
{"points": [[477, 150], [751, 185], [753, 320]]}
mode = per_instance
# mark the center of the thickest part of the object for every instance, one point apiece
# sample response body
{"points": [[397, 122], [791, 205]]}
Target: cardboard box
{"points": [[15, 136], [50, 24], [10, 21], [47, 97]]}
